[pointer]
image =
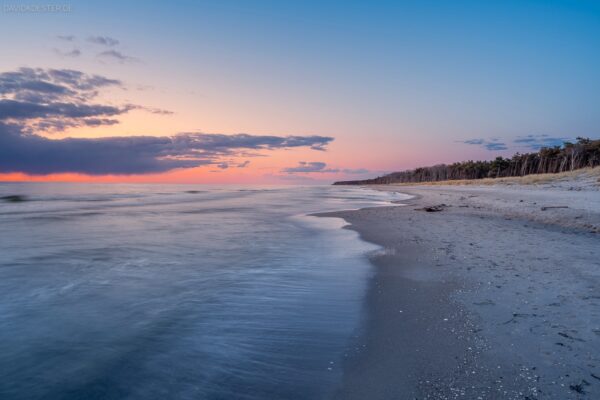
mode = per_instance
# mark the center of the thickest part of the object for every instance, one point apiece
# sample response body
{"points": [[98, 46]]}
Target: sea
{"points": [[122, 291]]}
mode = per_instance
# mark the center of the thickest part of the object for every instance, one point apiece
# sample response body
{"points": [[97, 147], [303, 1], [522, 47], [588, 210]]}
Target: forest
{"points": [[568, 157]]}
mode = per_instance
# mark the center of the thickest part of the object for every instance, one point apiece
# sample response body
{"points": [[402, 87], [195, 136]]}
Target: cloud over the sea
{"points": [[305, 167], [37, 100], [37, 155], [54, 99]]}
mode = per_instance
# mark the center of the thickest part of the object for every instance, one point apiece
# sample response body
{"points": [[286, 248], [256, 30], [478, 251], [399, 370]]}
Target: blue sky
{"points": [[397, 84]]}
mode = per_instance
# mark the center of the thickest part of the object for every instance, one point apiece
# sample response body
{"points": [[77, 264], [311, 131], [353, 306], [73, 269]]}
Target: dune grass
{"points": [[534, 179]]}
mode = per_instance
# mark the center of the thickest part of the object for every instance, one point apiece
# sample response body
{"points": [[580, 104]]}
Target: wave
{"points": [[14, 198]]}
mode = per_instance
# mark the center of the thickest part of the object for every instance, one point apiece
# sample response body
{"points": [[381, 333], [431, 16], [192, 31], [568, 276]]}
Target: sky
{"points": [[288, 92]]}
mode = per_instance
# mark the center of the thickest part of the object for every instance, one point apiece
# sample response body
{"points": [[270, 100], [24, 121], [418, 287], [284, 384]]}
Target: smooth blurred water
{"points": [[177, 292]]}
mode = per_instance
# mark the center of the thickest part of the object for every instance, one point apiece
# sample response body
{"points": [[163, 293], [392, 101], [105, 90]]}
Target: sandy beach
{"points": [[495, 296]]}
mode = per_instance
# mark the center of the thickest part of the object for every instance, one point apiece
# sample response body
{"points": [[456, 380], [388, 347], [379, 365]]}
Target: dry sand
{"points": [[494, 297]]}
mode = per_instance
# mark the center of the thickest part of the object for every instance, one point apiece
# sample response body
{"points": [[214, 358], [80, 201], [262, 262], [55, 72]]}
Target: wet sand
{"points": [[497, 296]]}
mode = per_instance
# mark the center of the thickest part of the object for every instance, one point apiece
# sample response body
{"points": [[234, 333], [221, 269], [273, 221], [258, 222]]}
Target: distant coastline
{"points": [[584, 153]]}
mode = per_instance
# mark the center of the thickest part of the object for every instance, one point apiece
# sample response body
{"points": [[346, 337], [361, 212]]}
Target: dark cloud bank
{"points": [[36, 99]]}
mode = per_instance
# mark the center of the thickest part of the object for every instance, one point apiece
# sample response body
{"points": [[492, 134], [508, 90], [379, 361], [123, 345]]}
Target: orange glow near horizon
{"points": [[192, 175], [188, 176]]}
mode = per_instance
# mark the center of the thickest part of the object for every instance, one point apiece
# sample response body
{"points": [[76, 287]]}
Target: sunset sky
{"points": [[288, 92]]}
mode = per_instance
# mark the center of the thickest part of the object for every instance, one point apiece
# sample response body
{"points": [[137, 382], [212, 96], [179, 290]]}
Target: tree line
{"points": [[568, 157]]}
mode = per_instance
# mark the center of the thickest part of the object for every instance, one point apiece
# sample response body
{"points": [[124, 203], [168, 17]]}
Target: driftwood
{"points": [[549, 207], [438, 208], [579, 388]]}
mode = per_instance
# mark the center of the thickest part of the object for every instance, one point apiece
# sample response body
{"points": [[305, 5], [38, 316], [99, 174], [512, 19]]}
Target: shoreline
{"points": [[489, 298]]}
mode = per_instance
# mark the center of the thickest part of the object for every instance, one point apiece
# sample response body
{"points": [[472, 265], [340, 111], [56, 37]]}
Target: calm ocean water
{"points": [[177, 292]]}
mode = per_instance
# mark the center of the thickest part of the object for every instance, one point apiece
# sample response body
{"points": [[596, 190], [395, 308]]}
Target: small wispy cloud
{"points": [[304, 167], [296, 179], [229, 164], [151, 110], [103, 40], [496, 146], [66, 38], [158, 111], [493, 144], [117, 56], [536, 142], [474, 141], [69, 53], [358, 171], [530, 142], [73, 52]]}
